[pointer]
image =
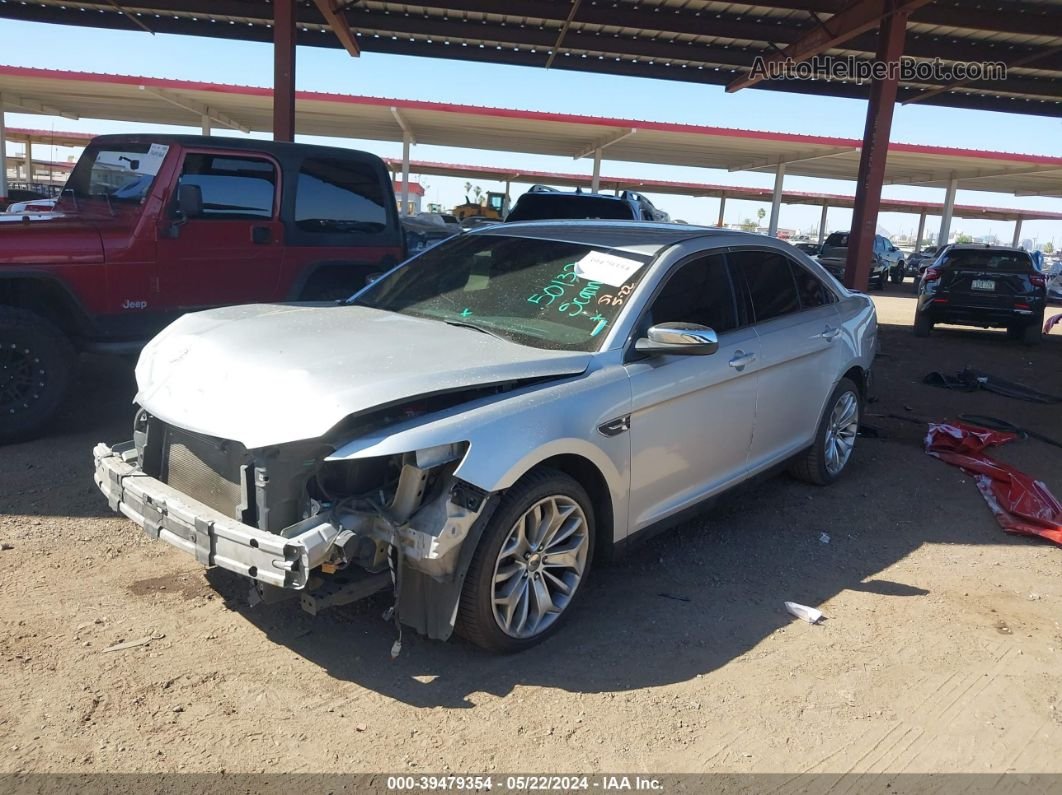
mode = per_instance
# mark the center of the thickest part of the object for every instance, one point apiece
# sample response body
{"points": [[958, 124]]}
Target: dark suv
{"points": [[886, 260], [543, 203], [984, 286]]}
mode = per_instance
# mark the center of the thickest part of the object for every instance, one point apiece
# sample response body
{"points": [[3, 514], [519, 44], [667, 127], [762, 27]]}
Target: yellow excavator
{"points": [[491, 206]]}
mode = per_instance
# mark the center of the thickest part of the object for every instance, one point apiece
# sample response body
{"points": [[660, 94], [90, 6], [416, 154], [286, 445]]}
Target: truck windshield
{"points": [[122, 173], [542, 293]]}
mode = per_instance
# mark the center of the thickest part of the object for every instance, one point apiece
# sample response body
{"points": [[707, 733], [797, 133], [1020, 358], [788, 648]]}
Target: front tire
{"points": [[530, 564], [36, 365], [835, 437]]}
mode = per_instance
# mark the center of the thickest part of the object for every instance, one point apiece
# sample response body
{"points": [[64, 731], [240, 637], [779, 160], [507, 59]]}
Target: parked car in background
{"points": [[886, 260], [542, 203], [919, 260], [31, 206], [1054, 282], [985, 286], [425, 230], [492, 417], [809, 248], [151, 226]]}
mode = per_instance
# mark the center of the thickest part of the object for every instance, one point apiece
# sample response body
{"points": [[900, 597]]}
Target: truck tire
{"points": [[36, 365]]}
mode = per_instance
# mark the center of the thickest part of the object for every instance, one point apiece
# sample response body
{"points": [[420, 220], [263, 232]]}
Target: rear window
{"points": [[837, 240], [547, 207], [336, 195], [1000, 261]]}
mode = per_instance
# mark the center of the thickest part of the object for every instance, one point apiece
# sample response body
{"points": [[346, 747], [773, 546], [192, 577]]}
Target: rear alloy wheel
{"points": [[530, 564], [36, 362], [922, 325], [835, 438]]}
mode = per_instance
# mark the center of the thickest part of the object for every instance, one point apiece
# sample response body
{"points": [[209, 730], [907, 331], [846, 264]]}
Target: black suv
{"points": [[986, 286], [543, 203], [886, 260]]}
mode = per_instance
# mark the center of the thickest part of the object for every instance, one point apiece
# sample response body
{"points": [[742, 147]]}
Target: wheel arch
{"points": [[587, 475], [46, 296]]}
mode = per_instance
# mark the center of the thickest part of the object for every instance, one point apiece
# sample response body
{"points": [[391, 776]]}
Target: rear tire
{"points": [[518, 542], [1032, 334], [922, 325], [897, 274], [37, 363], [835, 437]]}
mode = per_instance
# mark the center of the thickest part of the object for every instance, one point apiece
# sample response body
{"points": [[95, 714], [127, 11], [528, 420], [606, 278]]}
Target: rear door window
{"points": [[768, 278], [335, 195]]}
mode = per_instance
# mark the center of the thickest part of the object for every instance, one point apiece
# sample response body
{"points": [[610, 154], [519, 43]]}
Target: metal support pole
{"points": [[595, 181], [776, 200], [284, 70], [921, 230], [822, 223], [949, 208], [29, 159], [405, 174], [206, 124], [3, 154], [507, 201], [722, 209], [874, 150], [1017, 232]]}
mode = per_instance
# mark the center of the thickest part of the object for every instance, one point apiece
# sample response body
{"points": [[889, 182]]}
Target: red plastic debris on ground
{"points": [[1021, 504]]}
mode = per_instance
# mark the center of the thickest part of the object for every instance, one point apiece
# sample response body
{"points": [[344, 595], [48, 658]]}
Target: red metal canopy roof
{"points": [[163, 101], [696, 41]]}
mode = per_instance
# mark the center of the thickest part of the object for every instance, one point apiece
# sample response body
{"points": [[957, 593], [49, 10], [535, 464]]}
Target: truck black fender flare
{"points": [[42, 292]]}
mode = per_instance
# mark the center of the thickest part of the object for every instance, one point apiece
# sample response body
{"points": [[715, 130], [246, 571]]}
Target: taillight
{"points": [[1038, 279], [931, 275]]}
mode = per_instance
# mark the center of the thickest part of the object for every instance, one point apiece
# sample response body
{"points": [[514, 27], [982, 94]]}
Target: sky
{"points": [[333, 70]]}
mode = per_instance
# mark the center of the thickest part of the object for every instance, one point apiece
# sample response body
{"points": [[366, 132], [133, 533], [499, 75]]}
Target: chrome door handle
{"points": [[829, 333], [740, 360]]}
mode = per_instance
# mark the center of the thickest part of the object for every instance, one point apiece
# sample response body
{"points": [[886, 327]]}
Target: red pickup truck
{"points": [[151, 226]]}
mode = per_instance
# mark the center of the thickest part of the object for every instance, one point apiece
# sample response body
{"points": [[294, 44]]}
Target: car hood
{"points": [[274, 373], [48, 239]]}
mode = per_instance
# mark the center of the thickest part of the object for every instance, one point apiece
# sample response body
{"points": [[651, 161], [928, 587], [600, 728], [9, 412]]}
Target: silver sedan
{"points": [[480, 425]]}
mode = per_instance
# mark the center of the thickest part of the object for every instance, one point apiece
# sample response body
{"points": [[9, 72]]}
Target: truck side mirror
{"points": [[187, 204]]}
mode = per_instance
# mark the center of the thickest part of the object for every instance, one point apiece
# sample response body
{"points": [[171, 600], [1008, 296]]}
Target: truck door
{"points": [[229, 250]]}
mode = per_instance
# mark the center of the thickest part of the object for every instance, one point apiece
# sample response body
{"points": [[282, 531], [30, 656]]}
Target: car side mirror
{"points": [[680, 339]]}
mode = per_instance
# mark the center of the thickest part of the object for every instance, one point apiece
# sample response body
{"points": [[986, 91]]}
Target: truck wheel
{"points": [[530, 565], [36, 365]]}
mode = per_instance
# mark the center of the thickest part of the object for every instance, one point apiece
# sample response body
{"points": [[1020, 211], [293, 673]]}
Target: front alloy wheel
{"points": [[530, 564], [540, 566]]}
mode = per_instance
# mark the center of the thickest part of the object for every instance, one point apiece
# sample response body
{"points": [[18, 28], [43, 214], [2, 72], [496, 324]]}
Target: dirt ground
{"points": [[941, 651]]}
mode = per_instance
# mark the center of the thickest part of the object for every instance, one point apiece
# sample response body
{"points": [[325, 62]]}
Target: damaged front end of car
{"points": [[300, 524]]}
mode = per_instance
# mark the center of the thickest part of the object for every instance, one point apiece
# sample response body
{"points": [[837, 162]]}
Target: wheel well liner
{"points": [[859, 377]]}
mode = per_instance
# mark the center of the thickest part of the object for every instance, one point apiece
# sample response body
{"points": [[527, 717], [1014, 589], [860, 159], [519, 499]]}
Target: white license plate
{"points": [[983, 284]]}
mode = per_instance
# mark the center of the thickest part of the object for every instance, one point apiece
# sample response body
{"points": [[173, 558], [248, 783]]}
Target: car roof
{"points": [[276, 148], [641, 237], [986, 247]]}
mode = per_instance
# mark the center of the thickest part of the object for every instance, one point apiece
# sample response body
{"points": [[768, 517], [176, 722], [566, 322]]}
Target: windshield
{"points": [[542, 293], [553, 206], [122, 173]]}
